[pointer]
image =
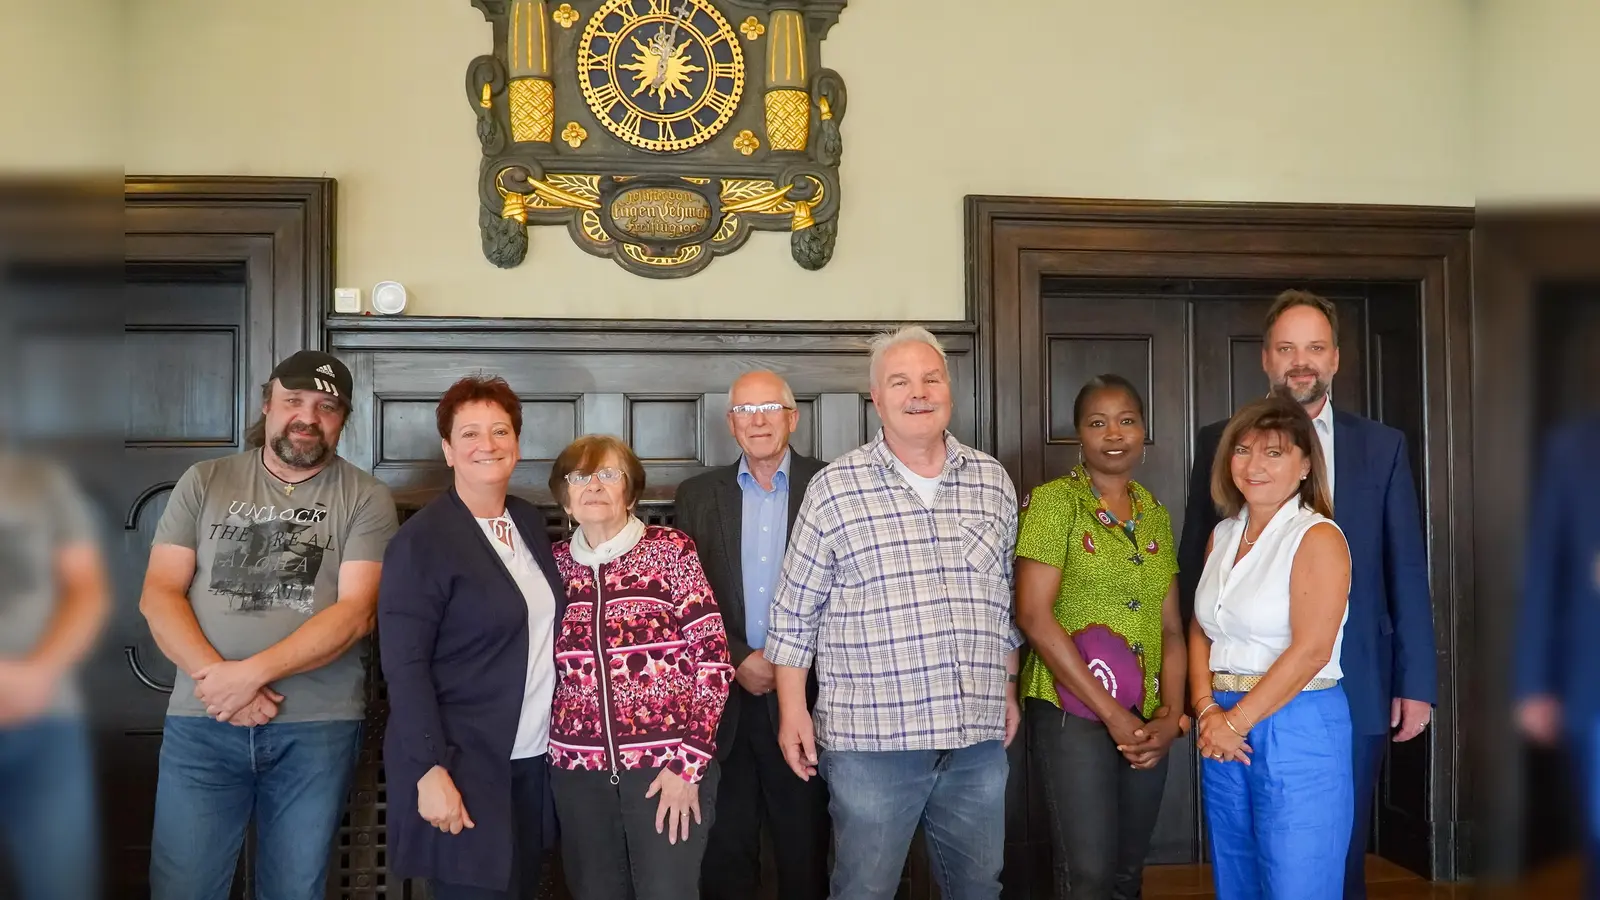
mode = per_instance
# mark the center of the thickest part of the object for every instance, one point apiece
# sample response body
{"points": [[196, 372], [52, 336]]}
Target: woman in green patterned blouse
{"points": [[1104, 681]]}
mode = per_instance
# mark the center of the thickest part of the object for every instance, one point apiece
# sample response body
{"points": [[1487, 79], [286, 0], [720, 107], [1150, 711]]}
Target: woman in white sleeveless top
{"points": [[1273, 722]]}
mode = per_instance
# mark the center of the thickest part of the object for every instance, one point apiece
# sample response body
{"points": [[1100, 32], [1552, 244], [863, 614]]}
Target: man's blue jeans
{"points": [[877, 800], [47, 810], [293, 777]]}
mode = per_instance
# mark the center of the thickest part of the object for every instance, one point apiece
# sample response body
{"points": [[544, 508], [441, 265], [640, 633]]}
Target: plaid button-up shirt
{"points": [[904, 609]]}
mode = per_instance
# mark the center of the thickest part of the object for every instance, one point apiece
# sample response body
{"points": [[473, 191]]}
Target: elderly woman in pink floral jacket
{"points": [[642, 673]]}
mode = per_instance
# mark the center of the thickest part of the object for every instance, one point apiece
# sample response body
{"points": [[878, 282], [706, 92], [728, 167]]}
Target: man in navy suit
{"points": [[1557, 669], [1390, 674]]}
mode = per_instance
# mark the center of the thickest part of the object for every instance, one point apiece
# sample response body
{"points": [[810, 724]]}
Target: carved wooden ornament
{"points": [[660, 132]]}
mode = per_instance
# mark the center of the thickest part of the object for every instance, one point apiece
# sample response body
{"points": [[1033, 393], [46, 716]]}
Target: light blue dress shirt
{"points": [[764, 535]]}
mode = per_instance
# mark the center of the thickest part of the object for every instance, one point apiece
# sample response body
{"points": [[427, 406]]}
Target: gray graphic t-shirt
{"points": [[42, 512], [267, 557]]}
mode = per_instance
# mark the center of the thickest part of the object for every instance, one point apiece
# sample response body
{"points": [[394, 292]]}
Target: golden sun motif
{"points": [[647, 67], [682, 53]]}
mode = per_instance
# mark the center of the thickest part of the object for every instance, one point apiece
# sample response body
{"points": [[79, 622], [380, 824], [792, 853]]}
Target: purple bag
{"points": [[1114, 664]]}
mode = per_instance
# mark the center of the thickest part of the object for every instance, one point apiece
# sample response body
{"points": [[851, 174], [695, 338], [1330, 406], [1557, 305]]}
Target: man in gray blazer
{"points": [[739, 517]]}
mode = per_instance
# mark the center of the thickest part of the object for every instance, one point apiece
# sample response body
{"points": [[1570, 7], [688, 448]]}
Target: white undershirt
{"points": [[924, 486], [533, 730]]}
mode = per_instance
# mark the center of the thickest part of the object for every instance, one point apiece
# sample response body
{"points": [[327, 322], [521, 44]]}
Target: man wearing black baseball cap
{"points": [[262, 588], [313, 370]]}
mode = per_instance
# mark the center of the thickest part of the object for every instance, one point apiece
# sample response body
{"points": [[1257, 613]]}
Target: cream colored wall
{"points": [[1360, 101], [1538, 121], [61, 68]]}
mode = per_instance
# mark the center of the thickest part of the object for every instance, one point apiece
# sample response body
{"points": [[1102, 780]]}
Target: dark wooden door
{"points": [[188, 341], [222, 277], [1194, 350]]}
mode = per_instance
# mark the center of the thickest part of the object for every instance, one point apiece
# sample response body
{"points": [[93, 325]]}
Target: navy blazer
{"points": [[453, 636], [1560, 615], [1388, 640]]}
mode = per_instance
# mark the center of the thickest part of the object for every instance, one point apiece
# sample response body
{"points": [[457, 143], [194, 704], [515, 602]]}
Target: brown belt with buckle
{"points": [[1227, 681]]}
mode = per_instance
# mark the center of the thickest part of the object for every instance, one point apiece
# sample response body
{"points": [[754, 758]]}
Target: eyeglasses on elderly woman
{"points": [[607, 475]]}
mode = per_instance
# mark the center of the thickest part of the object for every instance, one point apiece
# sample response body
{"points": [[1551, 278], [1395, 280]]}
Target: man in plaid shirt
{"points": [[897, 586]]}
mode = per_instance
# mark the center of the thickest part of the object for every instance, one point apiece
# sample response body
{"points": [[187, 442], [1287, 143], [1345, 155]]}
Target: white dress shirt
{"points": [[533, 730], [1324, 427], [1244, 607]]}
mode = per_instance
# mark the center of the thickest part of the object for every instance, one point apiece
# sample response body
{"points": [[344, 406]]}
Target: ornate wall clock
{"points": [[660, 132]]}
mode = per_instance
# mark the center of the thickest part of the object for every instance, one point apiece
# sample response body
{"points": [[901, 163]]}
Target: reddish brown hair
{"points": [[586, 454], [1280, 415], [478, 389]]}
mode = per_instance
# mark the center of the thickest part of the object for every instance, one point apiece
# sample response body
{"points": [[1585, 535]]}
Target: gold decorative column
{"points": [[788, 100], [533, 97]]}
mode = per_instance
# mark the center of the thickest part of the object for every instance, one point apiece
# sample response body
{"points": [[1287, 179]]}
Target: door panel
{"points": [[1141, 340], [1194, 350], [188, 335]]}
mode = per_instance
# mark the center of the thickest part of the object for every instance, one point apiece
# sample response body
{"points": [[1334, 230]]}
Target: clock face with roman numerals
{"points": [[663, 75]]}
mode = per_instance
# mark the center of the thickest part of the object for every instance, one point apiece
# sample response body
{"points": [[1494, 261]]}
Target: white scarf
{"points": [[595, 557]]}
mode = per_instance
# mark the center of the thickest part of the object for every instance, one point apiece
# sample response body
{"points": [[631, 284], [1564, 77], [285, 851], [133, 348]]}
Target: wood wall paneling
{"points": [[663, 391]]}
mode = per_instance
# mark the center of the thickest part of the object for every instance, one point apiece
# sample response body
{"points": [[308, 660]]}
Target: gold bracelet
{"points": [[1229, 722], [1246, 717], [1202, 713]]}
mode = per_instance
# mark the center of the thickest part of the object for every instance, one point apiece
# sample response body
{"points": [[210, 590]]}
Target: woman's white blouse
{"points": [[1244, 607], [533, 728]]}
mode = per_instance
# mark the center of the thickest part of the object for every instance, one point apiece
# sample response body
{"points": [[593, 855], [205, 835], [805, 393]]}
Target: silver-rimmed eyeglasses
{"points": [[746, 410], [608, 475]]}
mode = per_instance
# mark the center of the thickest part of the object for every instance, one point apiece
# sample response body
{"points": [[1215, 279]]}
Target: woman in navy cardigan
{"points": [[466, 627]]}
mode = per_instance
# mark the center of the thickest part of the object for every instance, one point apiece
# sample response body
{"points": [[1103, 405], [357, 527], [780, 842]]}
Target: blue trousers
{"points": [[47, 811], [877, 800], [292, 777], [1280, 827]]}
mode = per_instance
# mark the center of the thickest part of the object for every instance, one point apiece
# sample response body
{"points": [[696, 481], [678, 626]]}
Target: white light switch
{"points": [[347, 300]]}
